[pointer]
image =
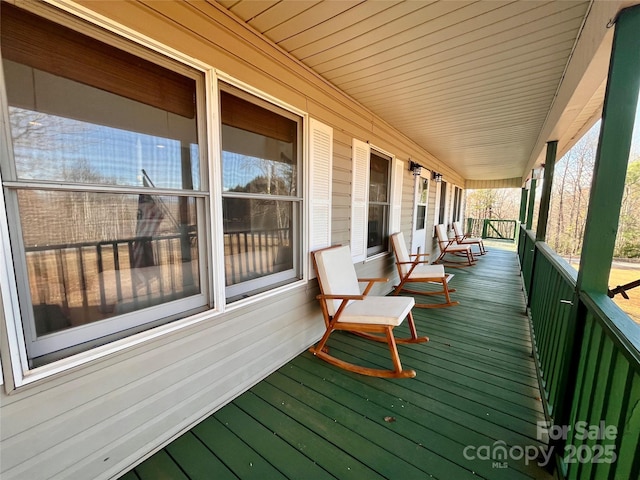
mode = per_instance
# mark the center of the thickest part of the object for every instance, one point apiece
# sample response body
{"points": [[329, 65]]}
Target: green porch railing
{"points": [[606, 395], [588, 359], [526, 252], [553, 285], [492, 228]]}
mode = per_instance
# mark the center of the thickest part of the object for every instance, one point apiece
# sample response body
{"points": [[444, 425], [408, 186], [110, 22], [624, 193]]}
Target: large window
{"points": [[378, 221], [261, 194], [102, 182]]}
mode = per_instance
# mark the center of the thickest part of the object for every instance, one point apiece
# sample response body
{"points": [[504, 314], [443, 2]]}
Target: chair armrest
{"points": [[373, 280], [414, 262], [323, 296], [370, 282]]}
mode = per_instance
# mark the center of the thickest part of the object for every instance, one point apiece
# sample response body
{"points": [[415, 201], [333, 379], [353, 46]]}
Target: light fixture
{"points": [[415, 168], [436, 176]]}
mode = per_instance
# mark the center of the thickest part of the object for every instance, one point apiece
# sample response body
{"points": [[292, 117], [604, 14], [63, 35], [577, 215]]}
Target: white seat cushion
{"points": [[458, 248], [378, 310], [427, 271], [470, 240]]}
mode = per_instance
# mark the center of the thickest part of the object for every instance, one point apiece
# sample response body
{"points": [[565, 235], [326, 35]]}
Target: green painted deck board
{"points": [[238, 456], [280, 416], [196, 459], [437, 434], [347, 410], [476, 385], [160, 467]]}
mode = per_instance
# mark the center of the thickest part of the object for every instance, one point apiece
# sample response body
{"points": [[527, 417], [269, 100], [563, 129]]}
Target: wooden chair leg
{"points": [[395, 357]]}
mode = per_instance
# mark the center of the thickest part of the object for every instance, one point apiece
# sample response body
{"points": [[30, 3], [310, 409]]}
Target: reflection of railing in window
{"points": [[252, 254], [84, 282]]}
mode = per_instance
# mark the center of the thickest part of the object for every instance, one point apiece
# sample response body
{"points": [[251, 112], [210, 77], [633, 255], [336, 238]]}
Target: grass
{"points": [[622, 276]]}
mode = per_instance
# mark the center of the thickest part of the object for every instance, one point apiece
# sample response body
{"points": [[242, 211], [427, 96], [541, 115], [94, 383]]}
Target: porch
{"points": [[476, 386]]}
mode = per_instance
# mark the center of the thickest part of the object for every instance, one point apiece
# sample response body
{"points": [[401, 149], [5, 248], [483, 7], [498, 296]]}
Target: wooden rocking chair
{"points": [[415, 268], [465, 239], [372, 317], [449, 246]]}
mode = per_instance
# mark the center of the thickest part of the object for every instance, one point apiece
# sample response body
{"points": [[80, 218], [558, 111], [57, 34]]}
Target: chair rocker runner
{"points": [[412, 268], [464, 238], [449, 246], [345, 308]]}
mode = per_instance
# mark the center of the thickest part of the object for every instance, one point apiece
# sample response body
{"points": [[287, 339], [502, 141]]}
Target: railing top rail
{"points": [[569, 273], [616, 324]]}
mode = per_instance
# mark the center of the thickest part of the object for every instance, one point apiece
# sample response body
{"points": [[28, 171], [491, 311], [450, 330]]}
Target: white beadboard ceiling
{"points": [[472, 82]]}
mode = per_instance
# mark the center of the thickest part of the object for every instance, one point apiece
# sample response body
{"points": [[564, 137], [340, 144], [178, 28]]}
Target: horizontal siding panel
{"points": [[194, 374]]}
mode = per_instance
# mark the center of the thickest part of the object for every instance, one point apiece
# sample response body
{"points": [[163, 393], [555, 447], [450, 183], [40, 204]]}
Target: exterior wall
{"points": [[99, 419]]}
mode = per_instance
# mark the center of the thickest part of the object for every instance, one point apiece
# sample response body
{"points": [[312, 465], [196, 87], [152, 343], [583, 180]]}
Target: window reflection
{"points": [[93, 256], [257, 238], [260, 161], [49, 147]]}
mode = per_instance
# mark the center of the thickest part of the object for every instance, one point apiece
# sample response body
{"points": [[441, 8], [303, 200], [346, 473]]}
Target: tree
{"points": [[628, 238]]}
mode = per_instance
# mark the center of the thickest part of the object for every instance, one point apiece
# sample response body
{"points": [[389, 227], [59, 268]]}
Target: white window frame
{"points": [[18, 325], [269, 282], [360, 168]]}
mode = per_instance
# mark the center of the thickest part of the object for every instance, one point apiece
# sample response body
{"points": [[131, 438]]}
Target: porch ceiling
{"points": [[473, 82]]}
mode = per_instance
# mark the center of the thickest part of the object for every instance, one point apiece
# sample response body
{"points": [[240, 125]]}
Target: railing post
{"points": [[605, 200], [532, 201], [612, 156], [545, 200], [523, 205]]}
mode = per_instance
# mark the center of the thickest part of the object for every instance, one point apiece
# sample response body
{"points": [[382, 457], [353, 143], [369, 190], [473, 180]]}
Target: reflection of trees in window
{"points": [[260, 193], [86, 119]]}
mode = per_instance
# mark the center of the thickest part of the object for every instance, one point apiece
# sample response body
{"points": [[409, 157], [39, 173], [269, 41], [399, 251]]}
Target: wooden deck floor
{"points": [[475, 390]]}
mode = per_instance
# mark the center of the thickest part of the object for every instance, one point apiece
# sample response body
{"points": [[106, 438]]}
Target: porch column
{"points": [[543, 214], [532, 201], [523, 204], [612, 156]]}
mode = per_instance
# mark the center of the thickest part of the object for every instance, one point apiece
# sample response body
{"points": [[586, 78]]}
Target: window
{"points": [[376, 198], [378, 221], [457, 203], [261, 197], [443, 203], [421, 202], [103, 187]]}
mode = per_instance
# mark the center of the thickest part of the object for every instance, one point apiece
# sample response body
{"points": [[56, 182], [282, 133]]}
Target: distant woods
{"points": [[569, 202]]}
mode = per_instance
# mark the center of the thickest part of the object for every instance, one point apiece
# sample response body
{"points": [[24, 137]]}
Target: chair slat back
{"points": [[402, 255], [457, 229], [336, 274], [443, 239]]}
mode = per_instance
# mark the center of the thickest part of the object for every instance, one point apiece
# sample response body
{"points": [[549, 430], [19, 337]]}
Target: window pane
{"points": [[92, 256], [258, 238], [423, 185], [259, 149], [421, 216], [377, 228], [378, 179], [66, 131], [443, 202], [257, 173]]}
